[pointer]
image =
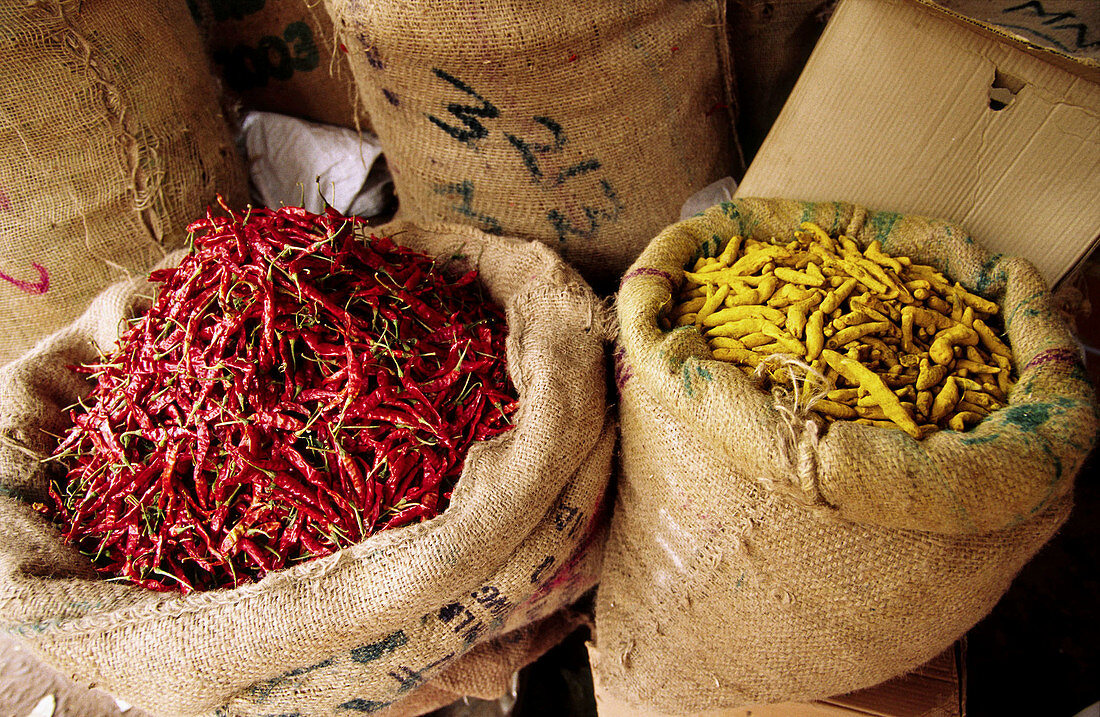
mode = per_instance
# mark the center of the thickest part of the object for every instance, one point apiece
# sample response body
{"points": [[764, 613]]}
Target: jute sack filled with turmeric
{"points": [[402, 622], [760, 555]]}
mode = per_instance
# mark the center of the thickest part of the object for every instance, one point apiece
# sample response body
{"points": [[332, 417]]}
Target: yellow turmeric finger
{"points": [[990, 340], [818, 234], [941, 351], [798, 277], [741, 356], [1004, 378], [745, 312], [924, 403], [838, 296], [930, 375], [706, 264], [843, 395], [743, 297], [834, 409], [873, 384], [766, 288], [796, 320], [938, 305], [729, 253], [788, 294], [928, 319], [945, 400], [850, 319], [874, 253], [711, 303], [963, 420], [975, 366], [725, 342], [737, 328], [815, 336], [857, 332], [757, 259], [688, 307], [886, 352], [983, 399], [752, 341], [978, 303]]}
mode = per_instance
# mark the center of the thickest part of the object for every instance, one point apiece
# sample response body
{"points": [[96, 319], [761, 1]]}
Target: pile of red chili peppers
{"points": [[292, 390]]}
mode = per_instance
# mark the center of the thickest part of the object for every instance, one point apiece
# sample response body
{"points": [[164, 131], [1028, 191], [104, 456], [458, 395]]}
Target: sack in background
{"points": [[281, 56], [754, 559], [770, 41], [582, 125], [402, 620], [107, 154]]}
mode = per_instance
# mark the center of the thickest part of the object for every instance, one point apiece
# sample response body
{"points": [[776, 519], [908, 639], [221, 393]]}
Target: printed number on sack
{"points": [[273, 57]]}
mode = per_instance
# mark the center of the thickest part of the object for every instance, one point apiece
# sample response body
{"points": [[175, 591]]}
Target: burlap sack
{"points": [[770, 41], [112, 141], [580, 124], [755, 560], [281, 56], [368, 627]]}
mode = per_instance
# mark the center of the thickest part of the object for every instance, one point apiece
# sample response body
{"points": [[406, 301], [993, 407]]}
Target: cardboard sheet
{"points": [[904, 106]]}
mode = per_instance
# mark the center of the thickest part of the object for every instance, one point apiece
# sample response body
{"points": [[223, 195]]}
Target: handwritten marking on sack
{"points": [[1075, 34], [262, 690], [31, 287], [543, 157], [623, 372], [247, 67], [363, 706], [595, 217], [464, 191], [466, 114], [567, 516], [410, 678], [375, 650], [492, 605], [692, 376], [541, 568]]}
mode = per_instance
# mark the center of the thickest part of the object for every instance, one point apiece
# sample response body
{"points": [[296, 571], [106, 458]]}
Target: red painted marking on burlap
{"points": [[31, 287]]}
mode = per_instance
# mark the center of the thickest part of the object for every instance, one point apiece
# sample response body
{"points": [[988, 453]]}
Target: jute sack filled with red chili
{"points": [[758, 554], [398, 622]]}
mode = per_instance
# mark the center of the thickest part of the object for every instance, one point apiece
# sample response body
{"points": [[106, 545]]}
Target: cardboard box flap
{"points": [[906, 107], [1066, 28]]}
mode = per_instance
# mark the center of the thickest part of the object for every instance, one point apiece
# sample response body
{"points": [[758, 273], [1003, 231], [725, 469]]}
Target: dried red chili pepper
{"points": [[292, 389]]}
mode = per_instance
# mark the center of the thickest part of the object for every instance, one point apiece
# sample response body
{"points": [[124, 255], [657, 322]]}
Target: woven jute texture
{"points": [[754, 559], [584, 125], [770, 41], [405, 620], [112, 141], [281, 56]]}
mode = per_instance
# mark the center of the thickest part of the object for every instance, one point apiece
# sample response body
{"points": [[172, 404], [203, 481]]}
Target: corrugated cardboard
{"points": [[905, 106], [1068, 26]]}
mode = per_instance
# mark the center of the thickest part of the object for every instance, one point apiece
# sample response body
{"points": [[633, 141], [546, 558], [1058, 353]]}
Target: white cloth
{"points": [[293, 162], [714, 193]]}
